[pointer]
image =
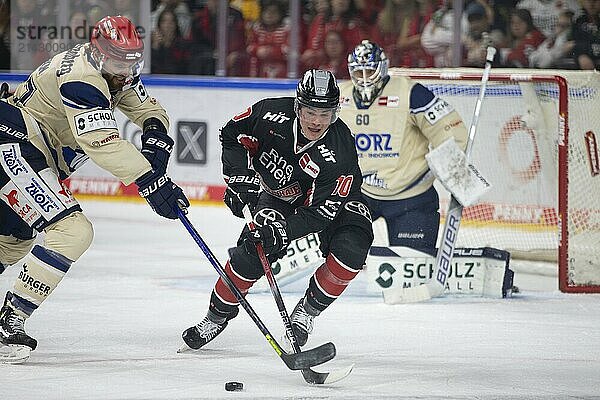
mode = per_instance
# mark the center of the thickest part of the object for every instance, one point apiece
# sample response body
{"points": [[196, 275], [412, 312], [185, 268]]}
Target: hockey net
{"points": [[536, 144]]}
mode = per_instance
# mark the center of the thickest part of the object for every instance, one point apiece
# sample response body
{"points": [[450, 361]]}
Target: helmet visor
{"points": [[124, 69]]}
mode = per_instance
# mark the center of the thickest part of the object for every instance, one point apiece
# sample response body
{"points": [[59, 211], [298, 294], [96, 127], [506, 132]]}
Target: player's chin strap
{"points": [[309, 375], [295, 361], [437, 285]]}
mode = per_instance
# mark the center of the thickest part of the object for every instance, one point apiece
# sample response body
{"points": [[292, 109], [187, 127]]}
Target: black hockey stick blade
{"points": [[309, 358]]}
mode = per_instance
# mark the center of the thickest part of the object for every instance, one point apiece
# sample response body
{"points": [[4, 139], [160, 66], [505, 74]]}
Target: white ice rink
{"points": [[112, 328]]}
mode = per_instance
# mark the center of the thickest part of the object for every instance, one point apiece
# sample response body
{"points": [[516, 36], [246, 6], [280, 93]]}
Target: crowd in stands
{"points": [[414, 33]]}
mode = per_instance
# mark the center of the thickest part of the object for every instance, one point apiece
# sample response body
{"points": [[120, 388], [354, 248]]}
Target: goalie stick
{"points": [[310, 376], [296, 361], [443, 258]]}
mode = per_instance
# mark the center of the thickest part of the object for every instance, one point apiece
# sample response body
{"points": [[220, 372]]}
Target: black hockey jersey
{"points": [[317, 178]]}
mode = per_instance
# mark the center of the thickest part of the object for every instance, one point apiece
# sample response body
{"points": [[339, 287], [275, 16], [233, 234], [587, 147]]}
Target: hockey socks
{"points": [[223, 302], [42, 271], [328, 282]]}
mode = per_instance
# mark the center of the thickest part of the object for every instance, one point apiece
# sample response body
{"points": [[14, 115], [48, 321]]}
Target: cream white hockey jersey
{"points": [[73, 106], [393, 135]]}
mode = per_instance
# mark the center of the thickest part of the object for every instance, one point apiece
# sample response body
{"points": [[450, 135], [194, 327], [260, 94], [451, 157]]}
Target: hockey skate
{"points": [[15, 343], [303, 318], [209, 328]]}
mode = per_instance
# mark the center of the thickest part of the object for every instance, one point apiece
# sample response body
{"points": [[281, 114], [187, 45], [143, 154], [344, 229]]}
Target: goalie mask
{"points": [[368, 67], [119, 51], [317, 103]]}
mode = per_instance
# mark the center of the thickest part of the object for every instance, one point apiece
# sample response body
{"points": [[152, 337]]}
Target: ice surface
{"points": [[112, 328]]}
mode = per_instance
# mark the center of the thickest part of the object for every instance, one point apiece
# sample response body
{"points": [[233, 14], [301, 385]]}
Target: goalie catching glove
{"points": [[161, 194], [273, 236], [449, 165], [242, 190]]}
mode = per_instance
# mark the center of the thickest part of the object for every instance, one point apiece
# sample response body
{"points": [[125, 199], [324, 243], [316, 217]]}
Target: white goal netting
{"points": [[536, 144]]}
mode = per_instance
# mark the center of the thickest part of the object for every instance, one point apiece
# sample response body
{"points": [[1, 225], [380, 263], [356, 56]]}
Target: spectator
{"points": [[26, 52], [314, 8], [479, 36], [437, 37], [524, 39], [181, 10], [250, 9], [586, 33], [126, 9], [557, 50], [545, 13], [170, 52], [398, 29], [79, 28], [343, 18], [4, 35], [502, 10], [268, 42], [336, 58], [204, 38], [369, 10]]}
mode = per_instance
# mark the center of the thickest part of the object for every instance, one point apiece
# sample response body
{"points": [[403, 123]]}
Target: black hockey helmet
{"points": [[319, 89]]}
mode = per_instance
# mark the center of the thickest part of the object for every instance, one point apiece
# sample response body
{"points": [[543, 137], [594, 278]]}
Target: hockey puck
{"points": [[234, 386]]}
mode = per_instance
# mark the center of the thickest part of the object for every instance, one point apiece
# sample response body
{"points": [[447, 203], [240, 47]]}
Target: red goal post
{"points": [[536, 143]]}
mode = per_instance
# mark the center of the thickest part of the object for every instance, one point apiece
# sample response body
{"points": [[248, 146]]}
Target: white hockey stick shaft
{"points": [[443, 260]]}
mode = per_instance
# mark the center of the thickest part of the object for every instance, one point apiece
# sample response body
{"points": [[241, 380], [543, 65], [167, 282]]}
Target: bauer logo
{"points": [[191, 142]]}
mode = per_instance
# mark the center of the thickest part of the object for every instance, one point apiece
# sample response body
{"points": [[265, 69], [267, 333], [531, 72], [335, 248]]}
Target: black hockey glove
{"points": [[162, 194], [242, 190], [273, 236], [156, 144]]}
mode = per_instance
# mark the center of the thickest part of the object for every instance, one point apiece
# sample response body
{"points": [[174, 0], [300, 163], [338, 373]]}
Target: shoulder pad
{"points": [[420, 98], [82, 95]]}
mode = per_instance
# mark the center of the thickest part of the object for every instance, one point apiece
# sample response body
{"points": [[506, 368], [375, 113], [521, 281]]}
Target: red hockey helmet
{"points": [[116, 37]]}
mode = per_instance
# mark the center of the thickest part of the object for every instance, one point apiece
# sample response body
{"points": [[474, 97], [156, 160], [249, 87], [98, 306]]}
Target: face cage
{"points": [[135, 69], [368, 86], [335, 110]]}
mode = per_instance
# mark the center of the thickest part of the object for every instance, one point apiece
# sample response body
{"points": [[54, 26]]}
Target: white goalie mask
{"points": [[368, 67]]}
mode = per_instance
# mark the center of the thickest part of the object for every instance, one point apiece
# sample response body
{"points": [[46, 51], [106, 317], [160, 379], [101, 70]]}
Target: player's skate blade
{"points": [[14, 354], [184, 348], [325, 378]]}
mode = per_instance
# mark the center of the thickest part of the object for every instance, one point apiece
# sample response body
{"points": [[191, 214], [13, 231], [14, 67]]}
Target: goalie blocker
{"points": [[481, 272]]}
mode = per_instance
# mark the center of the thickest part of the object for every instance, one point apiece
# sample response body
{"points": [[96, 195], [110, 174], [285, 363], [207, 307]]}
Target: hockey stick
{"points": [[309, 375], [443, 258], [298, 361]]}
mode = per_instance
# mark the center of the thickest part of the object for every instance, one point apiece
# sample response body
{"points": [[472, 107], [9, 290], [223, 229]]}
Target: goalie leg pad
{"points": [[41, 273]]}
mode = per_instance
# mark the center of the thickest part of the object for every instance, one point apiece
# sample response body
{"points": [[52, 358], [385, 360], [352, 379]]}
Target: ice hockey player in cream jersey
{"points": [[395, 121]]}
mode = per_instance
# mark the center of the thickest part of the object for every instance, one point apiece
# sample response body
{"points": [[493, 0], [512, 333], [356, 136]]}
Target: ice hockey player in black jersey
{"points": [[294, 163]]}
